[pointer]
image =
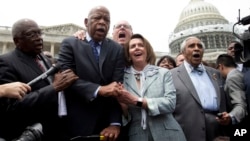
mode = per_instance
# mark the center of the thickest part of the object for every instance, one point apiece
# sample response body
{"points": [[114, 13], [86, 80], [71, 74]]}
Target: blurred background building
{"points": [[52, 37], [198, 18], [203, 20]]}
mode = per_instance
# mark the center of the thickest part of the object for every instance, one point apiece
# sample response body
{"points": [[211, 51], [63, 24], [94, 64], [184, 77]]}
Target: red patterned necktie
{"points": [[38, 61]]}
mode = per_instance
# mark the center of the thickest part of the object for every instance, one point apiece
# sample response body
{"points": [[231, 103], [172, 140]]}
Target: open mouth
{"points": [[196, 55], [100, 30], [122, 35], [138, 54]]}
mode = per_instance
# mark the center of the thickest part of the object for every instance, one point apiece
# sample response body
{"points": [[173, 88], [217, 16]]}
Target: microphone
{"points": [[43, 76], [88, 138]]}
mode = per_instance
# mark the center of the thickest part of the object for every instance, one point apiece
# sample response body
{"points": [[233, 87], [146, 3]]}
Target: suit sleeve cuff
{"points": [[234, 121]]}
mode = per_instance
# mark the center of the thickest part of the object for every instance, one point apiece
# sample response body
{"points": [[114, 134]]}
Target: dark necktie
{"points": [[94, 46], [37, 59]]}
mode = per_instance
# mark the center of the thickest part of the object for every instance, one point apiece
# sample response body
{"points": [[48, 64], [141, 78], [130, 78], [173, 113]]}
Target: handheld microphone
{"points": [[43, 76], [88, 138]]}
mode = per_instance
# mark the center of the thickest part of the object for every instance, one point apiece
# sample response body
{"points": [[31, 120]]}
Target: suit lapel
{"points": [[215, 81], [149, 81], [184, 77], [131, 83], [103, 52], [29, 61]]}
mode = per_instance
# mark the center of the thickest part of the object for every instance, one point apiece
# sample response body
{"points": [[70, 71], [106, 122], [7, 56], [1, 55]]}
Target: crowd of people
{"points": [[115, 89]]}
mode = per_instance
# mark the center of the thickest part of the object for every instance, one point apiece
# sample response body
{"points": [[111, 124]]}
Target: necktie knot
{"points": [[94, 44]]}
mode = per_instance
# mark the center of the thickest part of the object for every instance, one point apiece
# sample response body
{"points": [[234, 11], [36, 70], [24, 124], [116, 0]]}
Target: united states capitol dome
{"points": [[203, 20], [199, 13]]}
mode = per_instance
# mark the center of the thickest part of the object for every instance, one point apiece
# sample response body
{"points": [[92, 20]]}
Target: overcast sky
{"points": [[154, 19]]}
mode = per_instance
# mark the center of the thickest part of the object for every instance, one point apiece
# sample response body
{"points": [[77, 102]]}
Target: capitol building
{"points": [[198, 18], [203, 20], [52, 37]]}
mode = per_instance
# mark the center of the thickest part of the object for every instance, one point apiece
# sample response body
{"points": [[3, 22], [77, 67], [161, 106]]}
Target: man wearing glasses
{"points": [[25, 63], [122, 32]]}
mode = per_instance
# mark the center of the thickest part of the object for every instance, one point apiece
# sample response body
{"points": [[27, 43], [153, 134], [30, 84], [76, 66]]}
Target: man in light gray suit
{"points": [[234, 88], [199, 94]]}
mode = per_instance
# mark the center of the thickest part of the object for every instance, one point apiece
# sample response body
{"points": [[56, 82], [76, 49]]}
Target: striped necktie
{"points": [[94, 46], [39, 63]]}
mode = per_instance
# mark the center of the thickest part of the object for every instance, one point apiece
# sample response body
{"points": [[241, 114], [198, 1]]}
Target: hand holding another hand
{"points": [[224, 119], [111, 89]]}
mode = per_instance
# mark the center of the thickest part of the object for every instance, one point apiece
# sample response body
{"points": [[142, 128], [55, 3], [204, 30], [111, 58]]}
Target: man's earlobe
{"points": [[86, 22]]}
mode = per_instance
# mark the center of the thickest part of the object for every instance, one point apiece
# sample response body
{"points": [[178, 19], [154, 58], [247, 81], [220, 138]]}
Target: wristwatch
{"points": [[139, 102]]}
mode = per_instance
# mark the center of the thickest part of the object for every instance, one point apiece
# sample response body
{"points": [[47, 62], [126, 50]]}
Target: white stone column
{"points": [[52, 49], [4, 47]]}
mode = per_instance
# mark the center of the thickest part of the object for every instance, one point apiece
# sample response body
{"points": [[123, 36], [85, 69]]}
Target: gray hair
{"points": [[183, 44], [17, 27]]}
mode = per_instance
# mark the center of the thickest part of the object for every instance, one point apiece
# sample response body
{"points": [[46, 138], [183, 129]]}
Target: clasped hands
{"points": [[118, 91], [225, 119]]}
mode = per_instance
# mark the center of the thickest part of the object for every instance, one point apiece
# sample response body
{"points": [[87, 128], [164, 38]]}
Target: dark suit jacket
{"points": [[88, 115], [40, 105], [195, 122]]}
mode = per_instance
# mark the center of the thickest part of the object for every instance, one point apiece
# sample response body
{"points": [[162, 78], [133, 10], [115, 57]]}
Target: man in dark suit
{"points": [[23, 64], [91, 104], [199, 92]]}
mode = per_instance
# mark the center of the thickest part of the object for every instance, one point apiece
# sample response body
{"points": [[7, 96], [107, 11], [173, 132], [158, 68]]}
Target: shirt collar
{"points": [[189, 67], [88, 38]]}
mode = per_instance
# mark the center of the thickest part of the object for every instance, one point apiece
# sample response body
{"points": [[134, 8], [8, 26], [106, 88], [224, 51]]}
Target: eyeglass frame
{"points": [[125, 26], [32, 33]]}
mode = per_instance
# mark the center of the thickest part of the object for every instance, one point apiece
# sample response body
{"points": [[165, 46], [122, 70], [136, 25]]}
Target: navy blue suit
{"points": [[88, 115]]}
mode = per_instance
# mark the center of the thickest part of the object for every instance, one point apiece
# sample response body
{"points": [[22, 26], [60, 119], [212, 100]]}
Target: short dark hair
{"points": [[237, 45], [226, 60], [169, 58]]}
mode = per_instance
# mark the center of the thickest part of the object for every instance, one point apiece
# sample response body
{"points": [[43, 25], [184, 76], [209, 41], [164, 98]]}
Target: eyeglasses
{"points": [[32, 34], [118, 26]]}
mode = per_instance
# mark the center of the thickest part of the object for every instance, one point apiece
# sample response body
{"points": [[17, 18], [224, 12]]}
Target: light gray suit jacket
{"points": [[161, 97], [197, 124], [234, 87]]}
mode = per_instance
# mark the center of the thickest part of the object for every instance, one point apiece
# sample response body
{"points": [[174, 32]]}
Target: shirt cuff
{"points": [[95, 94], [116, 123], [234, 121]]}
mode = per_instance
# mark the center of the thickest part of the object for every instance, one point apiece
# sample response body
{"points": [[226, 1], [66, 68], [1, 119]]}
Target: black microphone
{"points": [[43, 76], [88, 138]]}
